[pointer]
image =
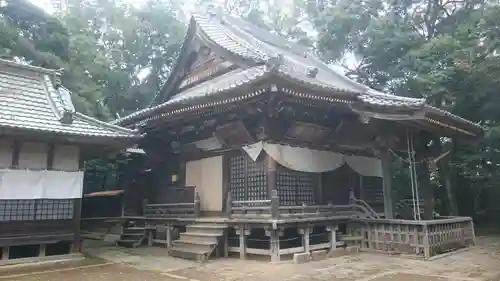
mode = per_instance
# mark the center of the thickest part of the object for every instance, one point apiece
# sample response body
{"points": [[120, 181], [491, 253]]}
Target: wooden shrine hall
{"points": [[259, 148]]}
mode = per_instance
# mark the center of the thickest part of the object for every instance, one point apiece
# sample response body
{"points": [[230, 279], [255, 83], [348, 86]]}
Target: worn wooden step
{"points": [[127, 243], [209, 229], [193, 244], [203, 237], [189, 253], [134, 229]]}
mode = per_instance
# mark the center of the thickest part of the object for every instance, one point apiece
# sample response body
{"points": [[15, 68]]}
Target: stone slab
{"points": [[318, 255], [299, 258]]}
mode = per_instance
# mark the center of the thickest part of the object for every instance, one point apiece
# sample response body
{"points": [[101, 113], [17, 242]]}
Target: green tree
{"points": [[444, 51], [124, 52]]}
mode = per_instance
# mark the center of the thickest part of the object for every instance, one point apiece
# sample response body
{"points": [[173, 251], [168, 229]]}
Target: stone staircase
{"points": [[132, 236], [199, 241]]}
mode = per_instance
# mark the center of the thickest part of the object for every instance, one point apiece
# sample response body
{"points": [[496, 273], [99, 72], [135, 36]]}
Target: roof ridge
{"points": [[30, 67], [108, 125], [56, 107], [243, 42]]}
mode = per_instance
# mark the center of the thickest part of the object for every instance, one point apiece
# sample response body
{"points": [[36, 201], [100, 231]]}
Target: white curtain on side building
{"points": [[27, 184]]}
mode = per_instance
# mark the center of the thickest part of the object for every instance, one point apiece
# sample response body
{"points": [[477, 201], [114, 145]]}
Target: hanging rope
{"points": [[413, 176]]}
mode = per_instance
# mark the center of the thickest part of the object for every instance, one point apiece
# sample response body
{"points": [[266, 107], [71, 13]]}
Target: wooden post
{"points": [[41, 252], [144, 204], [169, 236], [197, 207], [305, 238], [242, 232], [271, 176], [77, 207], [332, 233], [385, 158], [229, 204], [274, 245], [226, 243], [275, 204], [5, 253], [150, 236]]}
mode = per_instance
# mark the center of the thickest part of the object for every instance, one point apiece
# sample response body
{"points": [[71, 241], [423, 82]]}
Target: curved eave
{"points": [[174, 76]]}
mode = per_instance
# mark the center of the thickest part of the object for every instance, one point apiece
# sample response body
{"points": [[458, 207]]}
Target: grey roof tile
{"points": [[28, 100], [221, 83]]}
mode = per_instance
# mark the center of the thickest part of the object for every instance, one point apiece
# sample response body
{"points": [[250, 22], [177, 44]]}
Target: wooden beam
{"points": [[271, 175], [385, 158], [77, 212]]}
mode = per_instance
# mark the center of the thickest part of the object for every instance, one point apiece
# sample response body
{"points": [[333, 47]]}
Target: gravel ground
{"points": [[151, 264]]}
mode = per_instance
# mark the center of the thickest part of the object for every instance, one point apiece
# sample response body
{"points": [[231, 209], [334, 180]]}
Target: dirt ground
{"points": [[481, 263]]}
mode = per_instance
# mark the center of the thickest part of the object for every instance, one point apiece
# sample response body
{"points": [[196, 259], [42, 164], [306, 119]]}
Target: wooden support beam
{"points": [[41, 252], [226, 243], [169, 235], [385, 158], [305, 238], [271, 175], [275, 245], [5, 253], [243, 231], [332, 233], [77, 212], [150, 237]]}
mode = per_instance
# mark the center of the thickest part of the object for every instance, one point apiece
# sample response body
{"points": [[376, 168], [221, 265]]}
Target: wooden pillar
{"points": [[305, 238], [274, 244], [169, 235], [271, 175], [226, 243], [41, 252], [5, 253], [243, 231], [77, 208], [332, 233], [150, 235], [385, 158]]}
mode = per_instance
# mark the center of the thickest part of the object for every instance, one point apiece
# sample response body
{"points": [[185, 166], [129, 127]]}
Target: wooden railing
{"points": [[272, 209], [425, 238], [173, 210]]}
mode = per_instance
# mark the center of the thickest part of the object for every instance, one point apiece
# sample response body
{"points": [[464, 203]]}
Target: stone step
{"points": [[189, 253], [347, 237], [205, 228], [134, 229], [128, 243], [132, 236], [202, 237], [193, 244]]}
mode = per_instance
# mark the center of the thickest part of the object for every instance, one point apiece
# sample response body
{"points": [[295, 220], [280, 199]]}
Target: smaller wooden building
{"points": [[43, 144]]}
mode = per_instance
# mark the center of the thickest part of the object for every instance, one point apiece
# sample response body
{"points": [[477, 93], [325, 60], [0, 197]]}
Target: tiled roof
{"points": [[269, 53], [221, 83], [29, 101]]}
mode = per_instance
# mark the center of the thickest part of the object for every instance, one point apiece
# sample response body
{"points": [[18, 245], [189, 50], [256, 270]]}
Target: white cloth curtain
{"points": [[26, 184], [366, 166], [304, 159], [314, 161]]}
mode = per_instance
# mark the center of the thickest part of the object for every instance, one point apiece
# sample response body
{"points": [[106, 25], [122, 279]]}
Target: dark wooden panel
{"points": [[35, 232]]}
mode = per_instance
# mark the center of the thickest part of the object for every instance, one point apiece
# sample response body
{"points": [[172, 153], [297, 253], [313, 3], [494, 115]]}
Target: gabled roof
{"points": [[30, 100], [261, 54]]}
